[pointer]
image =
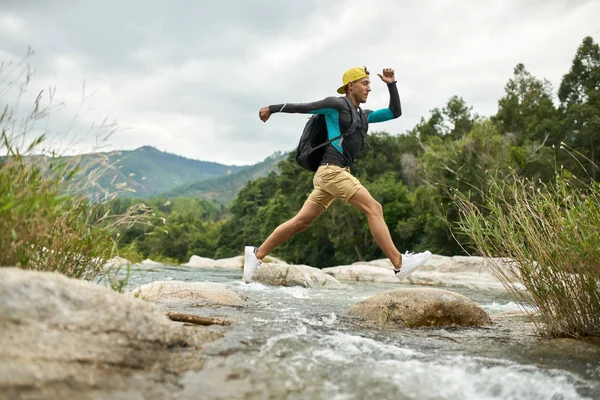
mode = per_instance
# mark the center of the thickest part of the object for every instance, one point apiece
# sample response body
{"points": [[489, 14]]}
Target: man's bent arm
{"points": [[394, 110], [317, 107]]}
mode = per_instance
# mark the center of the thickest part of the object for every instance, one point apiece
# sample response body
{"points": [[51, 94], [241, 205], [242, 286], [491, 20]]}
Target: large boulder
{"points": [[416, 307], [205, 294], [64, 338], [280, 274]]}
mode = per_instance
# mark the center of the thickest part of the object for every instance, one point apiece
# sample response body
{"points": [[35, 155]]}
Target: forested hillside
{"points": [[224, 188], [144, 172]]}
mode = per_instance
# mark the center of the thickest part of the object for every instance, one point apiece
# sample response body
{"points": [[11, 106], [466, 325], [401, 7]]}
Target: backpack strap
{"points": [[350, 129]]}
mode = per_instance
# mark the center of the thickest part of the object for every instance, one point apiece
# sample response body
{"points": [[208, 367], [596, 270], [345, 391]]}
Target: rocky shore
{"points": [[64, 338]]}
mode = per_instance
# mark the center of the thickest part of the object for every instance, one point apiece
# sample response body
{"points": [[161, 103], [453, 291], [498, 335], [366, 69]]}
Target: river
{"points": [[298, 343]]}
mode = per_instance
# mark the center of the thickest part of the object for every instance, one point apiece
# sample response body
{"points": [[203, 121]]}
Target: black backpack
{"points": [[312, 144]]}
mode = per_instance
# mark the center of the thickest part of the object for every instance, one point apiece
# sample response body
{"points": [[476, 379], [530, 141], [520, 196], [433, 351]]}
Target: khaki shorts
{"points": [[333, 182]]}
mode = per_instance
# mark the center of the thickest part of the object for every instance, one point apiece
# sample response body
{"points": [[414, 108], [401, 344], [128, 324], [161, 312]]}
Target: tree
{"points": [[526, 110], [458, 118], [579, 96], [453, 121]]}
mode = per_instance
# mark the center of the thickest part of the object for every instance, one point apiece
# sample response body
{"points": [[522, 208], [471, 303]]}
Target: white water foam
{"points": [[299, 330], [418, 375], [472, 379], [346, 348], [252, 286], [321, 321], [297, 292], [496, 308]]}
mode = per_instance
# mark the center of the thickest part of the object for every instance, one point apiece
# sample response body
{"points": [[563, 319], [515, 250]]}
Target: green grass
{"points": [[551, 234]]}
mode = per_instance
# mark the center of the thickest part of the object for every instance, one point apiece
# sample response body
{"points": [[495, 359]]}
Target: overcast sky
{"points": [[189, 77]]}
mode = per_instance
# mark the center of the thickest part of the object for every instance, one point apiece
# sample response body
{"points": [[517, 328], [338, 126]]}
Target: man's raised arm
{"points": [[324, 106], [394, 109]]}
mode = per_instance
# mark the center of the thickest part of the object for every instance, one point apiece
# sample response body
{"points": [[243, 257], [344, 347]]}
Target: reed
{"points": [[550, 233]]}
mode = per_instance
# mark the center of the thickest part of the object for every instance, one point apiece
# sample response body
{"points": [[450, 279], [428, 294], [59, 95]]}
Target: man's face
{"points": [[360, 89]]}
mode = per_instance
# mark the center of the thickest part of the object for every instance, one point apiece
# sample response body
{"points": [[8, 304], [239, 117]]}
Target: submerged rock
{"points": [[277, 274], [205, 294], [416, 307], [62, 337]]}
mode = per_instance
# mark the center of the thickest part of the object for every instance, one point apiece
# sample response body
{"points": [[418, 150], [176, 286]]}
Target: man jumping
{"points": [[333, 179]]}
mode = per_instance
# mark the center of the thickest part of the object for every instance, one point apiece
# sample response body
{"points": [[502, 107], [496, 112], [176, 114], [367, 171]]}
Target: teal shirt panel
{"points": [[332, 121]]}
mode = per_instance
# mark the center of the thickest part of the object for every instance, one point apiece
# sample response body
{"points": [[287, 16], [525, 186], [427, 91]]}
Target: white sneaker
{"points": [[410, 263], [250, 263]]}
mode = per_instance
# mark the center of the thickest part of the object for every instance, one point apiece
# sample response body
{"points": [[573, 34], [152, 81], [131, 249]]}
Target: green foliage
{"points": [[579, 95], [550, 232], [452, 122], [526, 111], [176, 230]]}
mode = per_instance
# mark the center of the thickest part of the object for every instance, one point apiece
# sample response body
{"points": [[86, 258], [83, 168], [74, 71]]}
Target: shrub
{"points": [[550, 232], [48, 221]]}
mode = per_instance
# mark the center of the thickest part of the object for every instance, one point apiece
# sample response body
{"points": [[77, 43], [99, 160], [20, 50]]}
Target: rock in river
{"points": [[281, 274], [204, 294], [65, 338], [416, 307]]}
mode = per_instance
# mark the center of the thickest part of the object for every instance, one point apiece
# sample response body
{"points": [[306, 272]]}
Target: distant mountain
{"points": [[224, 188], [146, 171]]}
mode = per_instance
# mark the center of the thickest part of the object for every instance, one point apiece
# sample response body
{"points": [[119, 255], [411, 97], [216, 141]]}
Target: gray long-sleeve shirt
{"points": [[338, 119]]}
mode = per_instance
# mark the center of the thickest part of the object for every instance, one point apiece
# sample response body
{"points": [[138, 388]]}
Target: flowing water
{"points": [[298, 343]]}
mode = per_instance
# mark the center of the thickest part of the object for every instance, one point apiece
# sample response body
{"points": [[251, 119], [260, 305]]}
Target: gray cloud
{"points": [[189, 77]]}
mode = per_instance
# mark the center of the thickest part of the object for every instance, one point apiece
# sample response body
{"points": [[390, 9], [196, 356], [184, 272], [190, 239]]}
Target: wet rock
{"points": [[203, 294], [62, 337], [462, 271], [365, 272], [443, 271], [151, 263], [277, 274], [225, 263], [116, 262], [417, 307]]}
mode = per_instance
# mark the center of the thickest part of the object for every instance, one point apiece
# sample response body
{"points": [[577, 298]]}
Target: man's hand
{"points": [[264, 114], [388, 75]]}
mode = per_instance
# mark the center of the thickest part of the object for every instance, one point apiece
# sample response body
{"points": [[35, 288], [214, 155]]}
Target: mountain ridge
{"points": [[148, 172]]}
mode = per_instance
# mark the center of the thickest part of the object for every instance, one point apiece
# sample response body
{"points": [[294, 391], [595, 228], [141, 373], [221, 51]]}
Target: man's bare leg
{"points": [[307, 214], [379, 229]]}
